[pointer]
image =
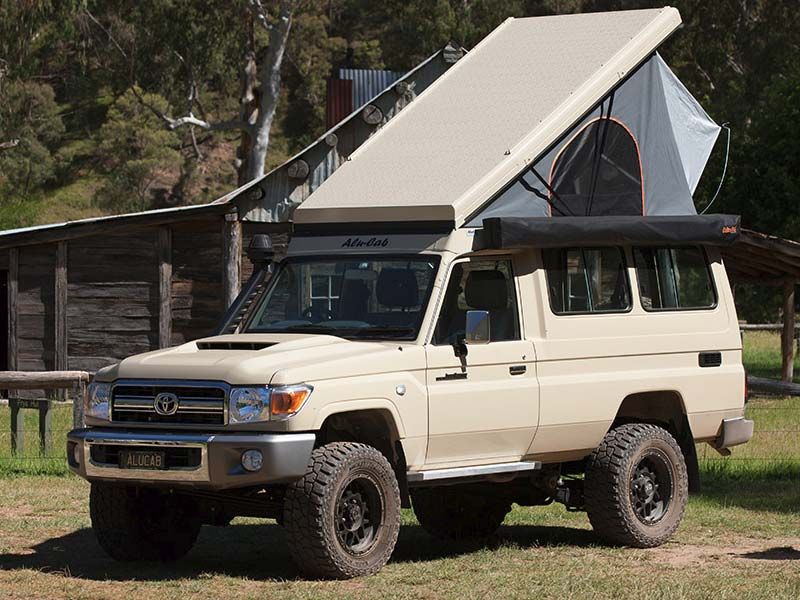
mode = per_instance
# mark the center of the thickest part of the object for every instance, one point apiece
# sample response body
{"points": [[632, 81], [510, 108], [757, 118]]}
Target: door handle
{"points": [[517, 369], [451, 376]]}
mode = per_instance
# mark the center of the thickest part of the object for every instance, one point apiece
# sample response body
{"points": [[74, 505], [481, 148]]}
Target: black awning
{"points": [[552, 232]]}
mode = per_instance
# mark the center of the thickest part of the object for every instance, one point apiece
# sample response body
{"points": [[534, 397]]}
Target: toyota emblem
{"points": [[166, 404]]}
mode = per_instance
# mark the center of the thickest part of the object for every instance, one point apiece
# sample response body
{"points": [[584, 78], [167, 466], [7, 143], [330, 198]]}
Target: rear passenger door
{"points": [[482, 407]]}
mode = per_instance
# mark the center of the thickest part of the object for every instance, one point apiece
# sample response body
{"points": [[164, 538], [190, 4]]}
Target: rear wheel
{"points": [[134, 524], [457, 514], [343, 517], [636, 486]]}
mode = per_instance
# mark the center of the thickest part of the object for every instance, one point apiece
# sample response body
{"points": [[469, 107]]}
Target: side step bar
{"points": [[477, 471]]}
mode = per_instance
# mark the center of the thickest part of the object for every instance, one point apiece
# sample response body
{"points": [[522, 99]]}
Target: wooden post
{"points": [[13, 293], [787, 334], [45, 423], [17, 427], [61, 356], [82, 393], [164, 287], [231, 257]]}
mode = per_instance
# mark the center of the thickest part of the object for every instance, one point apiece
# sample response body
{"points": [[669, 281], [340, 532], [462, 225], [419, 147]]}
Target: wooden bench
{"points": [[77, 381]]}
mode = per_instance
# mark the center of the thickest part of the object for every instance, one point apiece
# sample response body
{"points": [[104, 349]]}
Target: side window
{"points": [[479, 285], [587, 280], [674, 278]]}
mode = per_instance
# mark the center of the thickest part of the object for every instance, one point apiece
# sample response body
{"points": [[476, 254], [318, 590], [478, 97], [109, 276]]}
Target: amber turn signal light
{"points": [[286, 401]]}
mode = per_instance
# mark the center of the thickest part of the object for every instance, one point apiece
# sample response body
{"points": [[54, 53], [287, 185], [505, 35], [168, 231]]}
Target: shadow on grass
{"points": [[256, 552], [783, 553], [767, 486]]}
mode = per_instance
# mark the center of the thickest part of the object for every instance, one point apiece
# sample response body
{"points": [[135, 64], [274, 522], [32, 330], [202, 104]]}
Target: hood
{"points": [[267, 358]]}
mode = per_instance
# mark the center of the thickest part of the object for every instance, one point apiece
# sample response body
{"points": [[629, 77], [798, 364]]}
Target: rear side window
{"points": [[587, 280], [674, 278]]}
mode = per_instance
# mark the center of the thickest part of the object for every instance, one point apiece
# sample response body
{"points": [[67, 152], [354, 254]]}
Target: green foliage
{"points": [[137, 153], [740, 59], [28, 118]]}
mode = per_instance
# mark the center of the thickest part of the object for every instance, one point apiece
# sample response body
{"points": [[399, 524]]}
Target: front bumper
{"points": [[734, 432], [210, 461]]}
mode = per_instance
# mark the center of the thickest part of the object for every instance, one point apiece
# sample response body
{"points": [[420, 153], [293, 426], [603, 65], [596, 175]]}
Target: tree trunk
{"points": [[269, 91]]}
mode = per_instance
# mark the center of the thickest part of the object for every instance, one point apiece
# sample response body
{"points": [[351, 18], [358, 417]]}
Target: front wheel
{"points": [[636, 486], [343, 517], [133, 524]]}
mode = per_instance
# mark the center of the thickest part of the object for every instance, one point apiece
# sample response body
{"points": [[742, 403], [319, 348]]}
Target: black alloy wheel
{"points": [[359, 512], [651, 487]]}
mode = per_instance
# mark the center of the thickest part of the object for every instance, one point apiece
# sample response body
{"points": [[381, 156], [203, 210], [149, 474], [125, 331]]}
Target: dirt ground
{"points": [[726, 548]]}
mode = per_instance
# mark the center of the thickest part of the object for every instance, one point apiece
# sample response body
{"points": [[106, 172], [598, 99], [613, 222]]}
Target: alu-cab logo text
{"points": [[373, 242]]}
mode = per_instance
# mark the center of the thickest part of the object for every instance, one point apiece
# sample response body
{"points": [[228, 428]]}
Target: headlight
{"points": [[98, 400], [288, 399], [249, 404], [254, 404]]}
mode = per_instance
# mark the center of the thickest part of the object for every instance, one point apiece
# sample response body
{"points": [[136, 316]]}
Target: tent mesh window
{"points": [[598, 172]]}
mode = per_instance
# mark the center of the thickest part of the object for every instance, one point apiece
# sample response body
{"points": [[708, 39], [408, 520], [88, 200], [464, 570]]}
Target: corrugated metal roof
{"points": [[368, 83], [158, 215], [339, 102], [488, 117]]}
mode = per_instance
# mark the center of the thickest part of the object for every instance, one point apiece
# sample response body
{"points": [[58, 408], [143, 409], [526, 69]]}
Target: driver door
{"points": [[483, 407]]}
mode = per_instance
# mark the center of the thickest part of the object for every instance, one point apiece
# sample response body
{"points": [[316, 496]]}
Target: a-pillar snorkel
{"points": [[262, 255]]}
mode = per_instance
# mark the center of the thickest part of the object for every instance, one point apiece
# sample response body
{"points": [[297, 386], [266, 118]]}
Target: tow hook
{"points": [[570, 493]]}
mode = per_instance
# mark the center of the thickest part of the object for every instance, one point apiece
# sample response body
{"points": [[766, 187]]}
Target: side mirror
{"points": [[478, 327]]}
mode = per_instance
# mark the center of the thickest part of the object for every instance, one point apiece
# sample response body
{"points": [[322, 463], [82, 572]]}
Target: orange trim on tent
{"points": [[572, 139]]}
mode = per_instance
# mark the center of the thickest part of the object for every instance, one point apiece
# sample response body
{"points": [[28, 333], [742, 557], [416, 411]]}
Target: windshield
{"points": [[353, 297]]}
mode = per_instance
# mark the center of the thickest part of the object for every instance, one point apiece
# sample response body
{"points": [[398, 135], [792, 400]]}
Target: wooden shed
{"points": [[83, 294]]}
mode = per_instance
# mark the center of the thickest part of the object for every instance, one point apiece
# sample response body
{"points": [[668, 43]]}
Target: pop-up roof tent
{"points": [[572, 116]]}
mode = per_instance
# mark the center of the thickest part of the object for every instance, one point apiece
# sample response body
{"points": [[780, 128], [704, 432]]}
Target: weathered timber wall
{"points": [[112, 297], [113, 292], [196, 279], [36, 308]]}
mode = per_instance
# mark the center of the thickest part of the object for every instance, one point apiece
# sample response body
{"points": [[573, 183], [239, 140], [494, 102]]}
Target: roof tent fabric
{"points": [[489, 117], [506, 233], [640, 151]]}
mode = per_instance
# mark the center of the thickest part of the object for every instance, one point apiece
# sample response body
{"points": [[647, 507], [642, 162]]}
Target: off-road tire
{"points": [[134, 524], [611, 494], [451, 513], [312, 518]]}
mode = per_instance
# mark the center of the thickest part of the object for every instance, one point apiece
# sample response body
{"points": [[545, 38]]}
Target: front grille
{"points": [[174, 458], [197, 405]]}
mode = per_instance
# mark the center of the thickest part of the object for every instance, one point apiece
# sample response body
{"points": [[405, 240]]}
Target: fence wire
{"points": [[776, 439]]}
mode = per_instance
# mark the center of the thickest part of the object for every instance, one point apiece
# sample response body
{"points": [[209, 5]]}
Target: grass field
{"points": [[762, 355], [740, 538]]}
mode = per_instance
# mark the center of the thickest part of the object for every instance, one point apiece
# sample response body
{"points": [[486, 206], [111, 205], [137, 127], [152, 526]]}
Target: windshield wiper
{"points": [[305, 328], [344, 331], [378, 330]]}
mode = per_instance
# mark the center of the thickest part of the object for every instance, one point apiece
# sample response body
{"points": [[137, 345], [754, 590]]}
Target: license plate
{"points": [[141, 459]]}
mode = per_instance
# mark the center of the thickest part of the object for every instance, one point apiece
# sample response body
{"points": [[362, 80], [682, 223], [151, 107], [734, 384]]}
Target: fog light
{"points": [[76, 454], [252, 460]]}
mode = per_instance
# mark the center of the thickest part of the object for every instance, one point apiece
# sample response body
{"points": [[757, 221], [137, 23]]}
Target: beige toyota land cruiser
{"points": [[504, 296], [380, 372]]}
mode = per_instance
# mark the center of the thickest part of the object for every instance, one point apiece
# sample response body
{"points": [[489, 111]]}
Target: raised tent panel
{"points": [[486, 119]]}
